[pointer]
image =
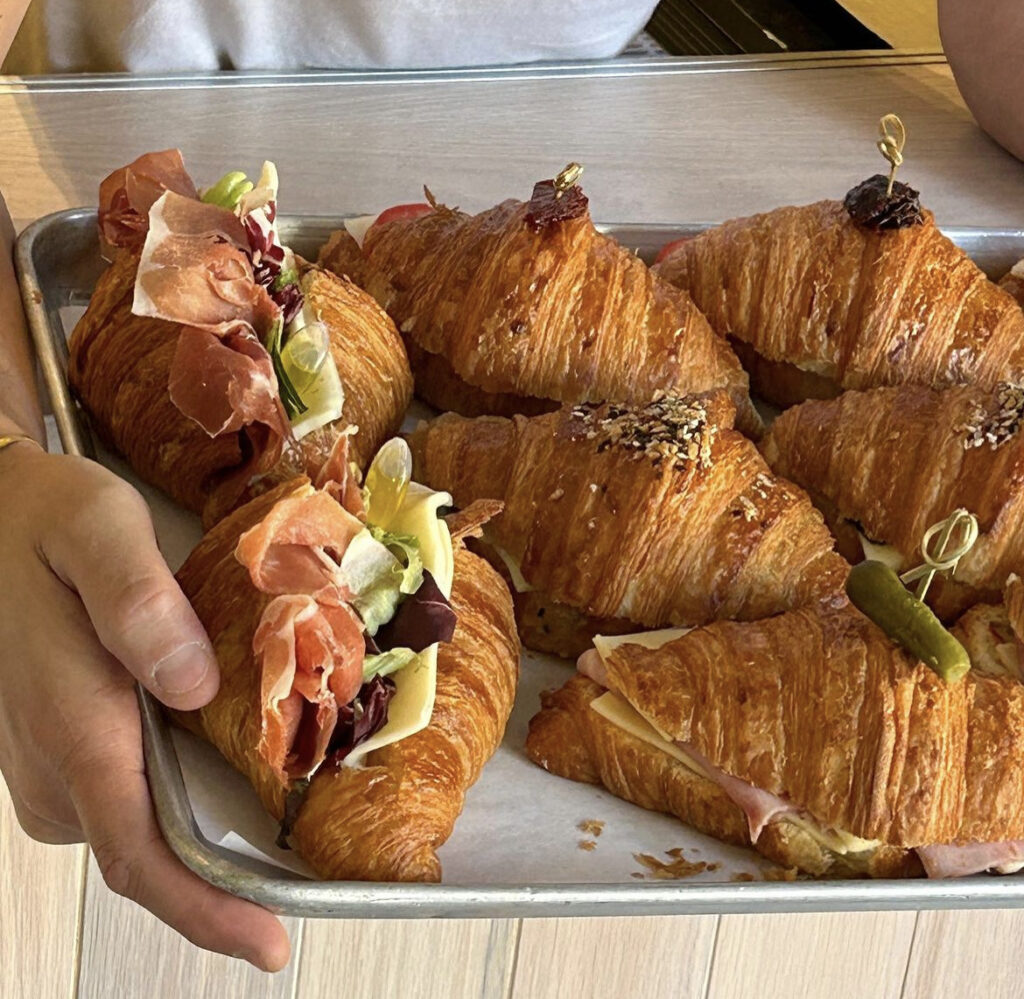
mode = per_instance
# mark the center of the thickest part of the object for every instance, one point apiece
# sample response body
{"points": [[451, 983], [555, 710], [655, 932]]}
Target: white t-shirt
{"points": [[146, 36]]}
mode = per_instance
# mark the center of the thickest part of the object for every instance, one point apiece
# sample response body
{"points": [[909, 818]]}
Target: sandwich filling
{"points": [[987, 644], [251, 351], [359, 582]]}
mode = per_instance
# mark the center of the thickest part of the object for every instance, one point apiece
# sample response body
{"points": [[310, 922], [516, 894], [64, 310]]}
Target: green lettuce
{"points": [[406, 549], [387, 663], [228, 191]]}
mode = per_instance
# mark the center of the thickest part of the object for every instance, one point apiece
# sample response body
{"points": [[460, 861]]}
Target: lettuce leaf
{"points": [[387, 663], [406, 549]]}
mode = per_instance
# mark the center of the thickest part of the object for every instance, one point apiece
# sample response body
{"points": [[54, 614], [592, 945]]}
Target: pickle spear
{"points": [[876, 590]]}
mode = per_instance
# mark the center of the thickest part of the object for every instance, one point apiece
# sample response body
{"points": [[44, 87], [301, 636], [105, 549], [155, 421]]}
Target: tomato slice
{"points": [[402, 213], [669, 247]]}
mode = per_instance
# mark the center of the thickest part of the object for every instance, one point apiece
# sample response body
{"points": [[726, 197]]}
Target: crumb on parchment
{"points": [[588, 845], [675, 868], [592, 827]]}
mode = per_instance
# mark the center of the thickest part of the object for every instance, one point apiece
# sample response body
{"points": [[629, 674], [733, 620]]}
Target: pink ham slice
{"points": [[195, 270], [951, 861], [224, 383], [311, 660], [298, 546], [127, 194], [337, 478]]}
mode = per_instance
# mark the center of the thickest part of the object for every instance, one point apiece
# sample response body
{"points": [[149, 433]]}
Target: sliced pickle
{"points": [[876, 590]]}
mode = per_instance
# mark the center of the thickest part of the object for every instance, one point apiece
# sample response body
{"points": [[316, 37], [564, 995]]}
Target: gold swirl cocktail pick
{"points": [[890, 145], [567, 178], [942, 547]]}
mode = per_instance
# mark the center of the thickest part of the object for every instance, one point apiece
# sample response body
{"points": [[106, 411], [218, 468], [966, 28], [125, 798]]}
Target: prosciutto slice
{"points": [[224, 383], [951, 861], [195, 270], [297, 548], [337, 478], [309, 643], [127, 195], [311, 661]]}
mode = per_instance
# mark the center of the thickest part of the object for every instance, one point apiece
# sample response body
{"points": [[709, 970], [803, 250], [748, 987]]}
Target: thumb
{"points": [[108, 554]]}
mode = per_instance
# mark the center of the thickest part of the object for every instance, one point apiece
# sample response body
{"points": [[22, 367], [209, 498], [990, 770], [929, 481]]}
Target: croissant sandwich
{"points": [[214, 359], [850, 295], [527, 305], [891, 462], [811, 737], [368, 665], [617, 518]]}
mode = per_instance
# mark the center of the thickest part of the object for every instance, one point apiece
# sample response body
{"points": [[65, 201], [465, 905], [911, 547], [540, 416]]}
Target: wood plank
{"points": [[40, 888], [408, 958], [967, 953], [628, 958], [842, 955], [128, 952], [908, 24], [685, 147]]}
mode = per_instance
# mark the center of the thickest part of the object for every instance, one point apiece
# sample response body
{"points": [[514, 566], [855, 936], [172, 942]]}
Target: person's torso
{"points": [[147, 36]]}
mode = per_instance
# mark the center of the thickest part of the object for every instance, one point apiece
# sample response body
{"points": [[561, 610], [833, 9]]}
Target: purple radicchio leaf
{"points": [[423, 618], [365, 715]]}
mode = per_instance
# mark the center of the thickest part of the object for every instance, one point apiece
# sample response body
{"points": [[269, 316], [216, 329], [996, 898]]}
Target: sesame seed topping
{"points": [[995, 425], [672, 429]]}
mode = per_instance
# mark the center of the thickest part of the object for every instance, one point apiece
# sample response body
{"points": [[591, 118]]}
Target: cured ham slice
{"points": [[195, 269], [337, 478], [310, 658], [760, 807], [309, 642], [951, 861], [127, 195], [225, 384], [297, 548]]}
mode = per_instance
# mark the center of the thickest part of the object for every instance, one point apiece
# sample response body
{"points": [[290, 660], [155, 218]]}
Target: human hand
{"points": [[87, 606]]}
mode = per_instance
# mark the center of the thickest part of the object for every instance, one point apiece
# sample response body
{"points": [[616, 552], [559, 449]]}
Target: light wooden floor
{"points": [[63, 934]]}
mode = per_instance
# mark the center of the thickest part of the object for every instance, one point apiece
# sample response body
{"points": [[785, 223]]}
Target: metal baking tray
{"points": [[58, 262]]}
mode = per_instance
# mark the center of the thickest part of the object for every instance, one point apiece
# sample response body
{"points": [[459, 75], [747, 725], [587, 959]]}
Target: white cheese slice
{"points": [[623, 715], [324, 401], [357, 227], [885, 554], [519, 582], [648, 639], [416, 684]]}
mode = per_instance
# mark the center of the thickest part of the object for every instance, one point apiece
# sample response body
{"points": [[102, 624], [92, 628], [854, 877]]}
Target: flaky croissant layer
{"points": [[614, 531], [826, 304], [561, 313]]}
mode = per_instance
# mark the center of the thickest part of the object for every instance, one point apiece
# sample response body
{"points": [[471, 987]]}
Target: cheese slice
{"points": [[358, 227], [623, 715], [885, 554], [519, 582], [416, 684]]}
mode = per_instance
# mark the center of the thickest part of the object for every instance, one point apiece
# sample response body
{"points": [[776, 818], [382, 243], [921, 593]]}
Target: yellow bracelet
{"points": [[6, 440]]}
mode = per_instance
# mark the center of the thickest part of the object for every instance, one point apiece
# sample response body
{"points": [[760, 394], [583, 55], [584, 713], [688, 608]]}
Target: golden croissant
{"points": [[810, 736], [174, 361], [527, 305], [616, 518], [816, 302], [368, 774], [894, 461]]}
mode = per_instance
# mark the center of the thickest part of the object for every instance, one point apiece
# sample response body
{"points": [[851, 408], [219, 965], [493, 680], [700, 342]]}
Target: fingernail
{"points": [[183, 670]]}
